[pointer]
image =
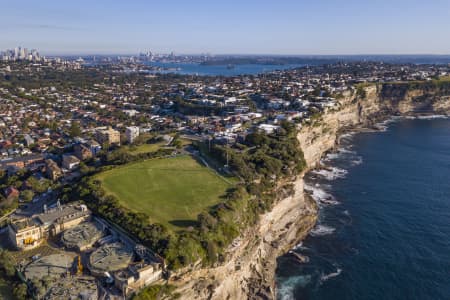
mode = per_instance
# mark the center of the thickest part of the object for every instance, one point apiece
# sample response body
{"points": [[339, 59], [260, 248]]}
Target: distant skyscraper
{"points": [[21, 53]]}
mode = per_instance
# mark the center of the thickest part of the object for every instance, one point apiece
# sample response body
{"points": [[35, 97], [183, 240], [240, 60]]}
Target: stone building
{"points": [[29, 232], [108, 136]]}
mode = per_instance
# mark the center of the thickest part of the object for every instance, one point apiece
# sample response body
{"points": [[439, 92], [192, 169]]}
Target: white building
{"points": [[132, 133], [268, 128]]}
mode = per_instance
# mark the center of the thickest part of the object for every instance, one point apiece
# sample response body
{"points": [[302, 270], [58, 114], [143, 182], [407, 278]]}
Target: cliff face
{"points": [[250, 267], [321, 134], [377, 103]]}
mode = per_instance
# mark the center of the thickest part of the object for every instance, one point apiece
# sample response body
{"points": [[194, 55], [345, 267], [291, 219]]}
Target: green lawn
{"points": [[172, 191], [145, 148], [444, 78]]}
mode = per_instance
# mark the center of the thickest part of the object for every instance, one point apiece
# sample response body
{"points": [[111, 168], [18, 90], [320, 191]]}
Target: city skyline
{"points": [[251, 27]]}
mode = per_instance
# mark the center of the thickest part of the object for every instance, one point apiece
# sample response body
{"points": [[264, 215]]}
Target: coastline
{"points": [[378, 125], [359, 117], [304, 280], [249, 272]]}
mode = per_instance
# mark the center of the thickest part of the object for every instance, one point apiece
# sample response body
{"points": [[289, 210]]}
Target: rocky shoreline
{"points": [[249, 272]]}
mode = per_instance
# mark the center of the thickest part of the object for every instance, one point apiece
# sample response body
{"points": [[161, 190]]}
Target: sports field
{"points": [[172, 191]]}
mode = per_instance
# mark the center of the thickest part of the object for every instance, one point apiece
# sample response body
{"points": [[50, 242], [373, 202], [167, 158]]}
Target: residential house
{"points": [[11, 192], [53, 171], [94, 147], [70, 162], [82, 152]]}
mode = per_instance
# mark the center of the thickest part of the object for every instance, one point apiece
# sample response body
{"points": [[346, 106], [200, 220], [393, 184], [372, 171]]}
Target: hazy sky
{"points": [[228, 27]]}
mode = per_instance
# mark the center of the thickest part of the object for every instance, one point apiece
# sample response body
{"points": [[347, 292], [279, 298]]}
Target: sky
{"points": [[287, 27]]}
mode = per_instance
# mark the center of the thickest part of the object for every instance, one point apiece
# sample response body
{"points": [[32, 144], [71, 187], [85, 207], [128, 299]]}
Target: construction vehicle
{"points": [[28, 241]]}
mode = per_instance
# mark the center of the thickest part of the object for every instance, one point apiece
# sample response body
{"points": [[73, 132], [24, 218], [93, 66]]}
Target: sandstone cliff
{"points": [[378, 102], [248, 273], [250, 267]]}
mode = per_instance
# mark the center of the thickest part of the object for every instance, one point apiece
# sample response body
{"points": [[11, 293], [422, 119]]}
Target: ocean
{"points": [[384, 224]]}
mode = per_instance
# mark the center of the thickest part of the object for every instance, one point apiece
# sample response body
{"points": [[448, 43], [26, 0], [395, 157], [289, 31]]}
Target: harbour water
{"points": [[384, 225], [219, 70]]}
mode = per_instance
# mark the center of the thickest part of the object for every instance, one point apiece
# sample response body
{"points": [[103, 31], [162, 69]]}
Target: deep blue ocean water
{"points": [[384, 225]]}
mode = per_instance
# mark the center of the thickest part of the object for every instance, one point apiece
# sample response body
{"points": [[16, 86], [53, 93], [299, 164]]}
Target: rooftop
{"points": [[53, 265], [81, 235], [23, 224], [111, 257], [64, 212]]}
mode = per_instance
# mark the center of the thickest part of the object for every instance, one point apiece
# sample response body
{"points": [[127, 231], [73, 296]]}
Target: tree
{"points": [[39, 186], [20, 291], [27, 195], [6, 263], [38, 287], [84, 169], [256, 139], [155, 292], [206, 221], [177, 143], [75, 129]]}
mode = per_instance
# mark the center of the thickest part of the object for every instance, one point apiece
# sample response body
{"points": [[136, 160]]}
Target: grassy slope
{"points": [[172, 191], [144, 148]]}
